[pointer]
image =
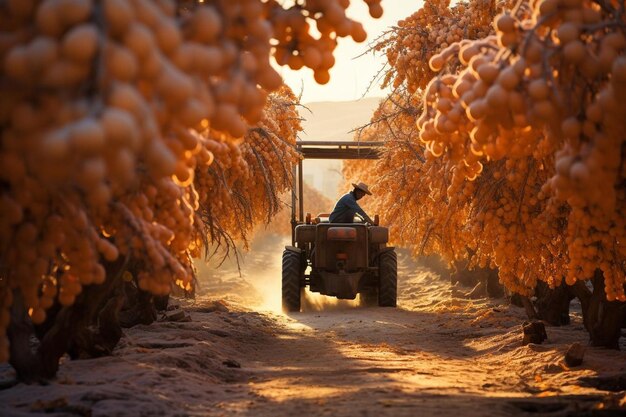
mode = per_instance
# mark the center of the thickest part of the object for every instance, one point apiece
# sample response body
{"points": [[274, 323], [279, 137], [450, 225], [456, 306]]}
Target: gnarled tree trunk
{"points": [[483, 279], [34, 365], [552, 304], [97, 327], [602, 319], [139, 307], [87, 328]]}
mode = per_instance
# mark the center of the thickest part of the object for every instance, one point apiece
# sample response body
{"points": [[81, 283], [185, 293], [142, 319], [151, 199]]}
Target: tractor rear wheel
{"points": [[292, 267], [388, 279]]}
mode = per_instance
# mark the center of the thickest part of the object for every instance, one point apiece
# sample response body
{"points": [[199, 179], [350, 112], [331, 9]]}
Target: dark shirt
{"points": [[346, 208]]}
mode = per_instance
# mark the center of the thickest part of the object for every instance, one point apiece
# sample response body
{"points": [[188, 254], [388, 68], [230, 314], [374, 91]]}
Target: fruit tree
{"points": [[140, 131], [518, 157]]}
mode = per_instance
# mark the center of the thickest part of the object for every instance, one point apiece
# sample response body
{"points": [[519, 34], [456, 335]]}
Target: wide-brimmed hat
{"points": [[363, 187]]}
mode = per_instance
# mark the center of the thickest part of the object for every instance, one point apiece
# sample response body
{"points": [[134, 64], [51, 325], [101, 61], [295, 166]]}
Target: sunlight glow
{"points": [[282, 390]]}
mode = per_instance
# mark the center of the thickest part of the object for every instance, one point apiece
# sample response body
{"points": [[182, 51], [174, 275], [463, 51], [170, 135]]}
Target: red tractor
{"points": [[337, 259]]}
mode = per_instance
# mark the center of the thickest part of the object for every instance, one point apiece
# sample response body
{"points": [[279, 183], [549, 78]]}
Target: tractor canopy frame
{"points": [[324, 150]]}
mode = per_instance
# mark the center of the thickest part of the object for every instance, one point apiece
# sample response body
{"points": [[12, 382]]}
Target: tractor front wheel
{"points": [[292, 267], [388, 279]]}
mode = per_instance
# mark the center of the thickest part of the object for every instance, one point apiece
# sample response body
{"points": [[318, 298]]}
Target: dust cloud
{"points": [[253, 278], [312, 301], [249, 277]]}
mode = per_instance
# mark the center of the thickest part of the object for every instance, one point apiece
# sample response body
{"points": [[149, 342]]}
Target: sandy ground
{"points": [[437, 354]]}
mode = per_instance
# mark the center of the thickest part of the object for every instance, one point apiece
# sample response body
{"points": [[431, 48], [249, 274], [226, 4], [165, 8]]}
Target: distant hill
{"points": [[332, 120]]}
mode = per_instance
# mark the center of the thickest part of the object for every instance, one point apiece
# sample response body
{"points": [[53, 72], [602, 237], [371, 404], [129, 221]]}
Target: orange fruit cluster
{"points": [[518, 160], [434, 27], [298, 47], [113, 115]]}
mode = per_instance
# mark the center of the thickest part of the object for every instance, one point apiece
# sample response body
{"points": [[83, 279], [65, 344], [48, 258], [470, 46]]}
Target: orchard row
{"points": [[504, 139], [143, 131]]}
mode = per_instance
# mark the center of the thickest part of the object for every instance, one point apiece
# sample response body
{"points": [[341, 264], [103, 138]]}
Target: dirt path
{"points": [[366, 362], [439, 353], [370, 362]]}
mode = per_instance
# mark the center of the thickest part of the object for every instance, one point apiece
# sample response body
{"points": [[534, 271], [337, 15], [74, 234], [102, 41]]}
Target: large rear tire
{"points": [[388, 279], [292, 267]]}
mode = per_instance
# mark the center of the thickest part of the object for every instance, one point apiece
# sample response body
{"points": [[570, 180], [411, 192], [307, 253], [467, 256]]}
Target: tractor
{"points": [[342, 260]]}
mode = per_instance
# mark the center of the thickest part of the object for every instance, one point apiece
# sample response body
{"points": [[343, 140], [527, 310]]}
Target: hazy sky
{"points": [[350, 77]]}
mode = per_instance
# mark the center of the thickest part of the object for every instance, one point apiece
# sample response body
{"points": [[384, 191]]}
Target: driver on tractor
{"points": [[347, 206]]}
